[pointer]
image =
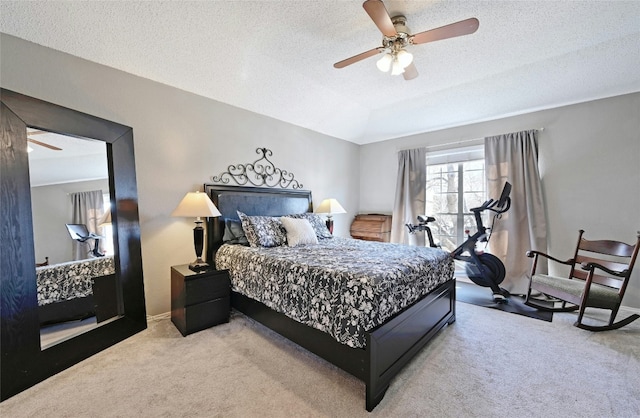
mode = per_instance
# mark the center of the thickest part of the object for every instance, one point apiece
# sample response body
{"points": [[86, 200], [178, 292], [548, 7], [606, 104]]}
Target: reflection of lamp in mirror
{"points": [[107, 231], [197, 204], [105, 219], [330, 207]]}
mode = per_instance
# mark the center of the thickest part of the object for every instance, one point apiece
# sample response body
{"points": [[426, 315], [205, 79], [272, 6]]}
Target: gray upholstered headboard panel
{"points": [[252, 201]]}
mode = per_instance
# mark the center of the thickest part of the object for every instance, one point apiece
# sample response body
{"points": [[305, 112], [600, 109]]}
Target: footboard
{"points": [[389, 346], [393, 344]]}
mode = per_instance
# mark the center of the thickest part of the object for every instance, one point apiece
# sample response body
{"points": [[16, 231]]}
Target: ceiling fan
{"points": [[396, 37], [42, 144]]}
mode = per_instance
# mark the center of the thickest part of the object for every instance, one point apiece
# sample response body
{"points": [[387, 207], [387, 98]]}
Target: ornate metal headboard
{"points": [[252, 201], [271, 198], [262, 172]]}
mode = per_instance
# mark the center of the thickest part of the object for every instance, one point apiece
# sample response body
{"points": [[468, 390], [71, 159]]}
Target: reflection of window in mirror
{"points": [[105, 224]]}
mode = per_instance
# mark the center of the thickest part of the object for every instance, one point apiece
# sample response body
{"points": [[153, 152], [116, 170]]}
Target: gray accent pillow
{"points": [[233, 233], [263, 231]]}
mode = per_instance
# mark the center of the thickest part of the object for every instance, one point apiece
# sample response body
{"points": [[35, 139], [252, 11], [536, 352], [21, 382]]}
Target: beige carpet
{"points": [[488, 363]]}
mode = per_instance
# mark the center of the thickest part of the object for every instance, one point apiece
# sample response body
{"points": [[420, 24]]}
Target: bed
{"points": [[67, 291], [372, 348]]}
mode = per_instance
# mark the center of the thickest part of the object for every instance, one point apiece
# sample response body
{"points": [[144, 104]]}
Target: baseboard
{"points": [[630, 309], [159, 317]]}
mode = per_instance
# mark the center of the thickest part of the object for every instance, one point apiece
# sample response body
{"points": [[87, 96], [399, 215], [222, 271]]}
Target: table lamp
{"points": [[330, 207], [197, 204], [105, 219]]}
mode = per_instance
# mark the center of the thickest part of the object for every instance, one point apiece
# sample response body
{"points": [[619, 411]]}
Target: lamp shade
{"points": [[404, 58], [105, 219], [330, 206], [397, 68], [196, 204], [384, 63]]}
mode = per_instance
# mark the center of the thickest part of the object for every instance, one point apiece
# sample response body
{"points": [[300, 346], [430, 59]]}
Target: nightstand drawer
{"points": [[206, 288], [206, 314]]}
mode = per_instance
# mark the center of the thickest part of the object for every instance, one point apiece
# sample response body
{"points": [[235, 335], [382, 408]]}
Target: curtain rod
{"points": [[449, 144]]}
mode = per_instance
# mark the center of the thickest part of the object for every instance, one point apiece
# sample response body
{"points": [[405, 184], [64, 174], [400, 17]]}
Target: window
{"points": [[455, 184], [107, 230]]}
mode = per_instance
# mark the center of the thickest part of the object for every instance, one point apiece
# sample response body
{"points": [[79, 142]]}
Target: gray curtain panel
{"points": [[514, 158], [87, 208], [410, 195]]}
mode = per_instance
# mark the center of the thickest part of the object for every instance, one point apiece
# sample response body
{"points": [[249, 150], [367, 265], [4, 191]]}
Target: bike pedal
{"points": [[499, 298]]}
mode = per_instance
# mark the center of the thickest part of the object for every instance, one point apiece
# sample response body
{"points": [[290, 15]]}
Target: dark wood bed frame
{"points": [[104, 303], [389, 346], [67, 310]]}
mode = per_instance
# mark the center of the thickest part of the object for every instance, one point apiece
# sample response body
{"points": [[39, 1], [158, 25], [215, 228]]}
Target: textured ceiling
{"points": [[275, 57]]}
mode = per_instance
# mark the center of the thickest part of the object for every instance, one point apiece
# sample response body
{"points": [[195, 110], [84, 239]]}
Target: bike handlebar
{"points": [[489, 205], [504, 202]]}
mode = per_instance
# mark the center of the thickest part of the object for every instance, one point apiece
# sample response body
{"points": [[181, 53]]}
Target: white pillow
{"points": [[299, 231]]}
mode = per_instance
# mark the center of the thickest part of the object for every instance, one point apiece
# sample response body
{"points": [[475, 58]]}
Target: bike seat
{"points": [[425, 218]]}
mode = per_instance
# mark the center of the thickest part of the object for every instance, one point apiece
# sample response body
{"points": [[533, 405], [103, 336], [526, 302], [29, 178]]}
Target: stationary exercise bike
{"points": [[482, 268], [423, 225]]}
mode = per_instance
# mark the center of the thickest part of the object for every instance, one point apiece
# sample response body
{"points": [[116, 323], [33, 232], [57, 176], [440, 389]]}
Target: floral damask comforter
{"points": [[341, 286], [70, 280]]}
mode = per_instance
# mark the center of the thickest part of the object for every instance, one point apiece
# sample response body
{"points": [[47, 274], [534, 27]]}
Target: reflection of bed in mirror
{"points": [[77, 290]]}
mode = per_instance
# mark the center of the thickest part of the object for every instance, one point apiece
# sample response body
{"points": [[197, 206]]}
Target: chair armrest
{"points": [[592, 266], [533, 253]]}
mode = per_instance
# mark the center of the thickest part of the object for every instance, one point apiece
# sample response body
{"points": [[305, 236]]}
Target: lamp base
{"points": [[198, 242], [199, 265], [96, 251], [329, 224]]}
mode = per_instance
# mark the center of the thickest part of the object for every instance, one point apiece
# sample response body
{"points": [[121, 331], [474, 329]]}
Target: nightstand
{"points": [[199, 300]]}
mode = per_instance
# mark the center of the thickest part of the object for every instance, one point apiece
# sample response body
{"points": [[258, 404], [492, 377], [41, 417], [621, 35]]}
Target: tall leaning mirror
{"points": [[57, 222]]}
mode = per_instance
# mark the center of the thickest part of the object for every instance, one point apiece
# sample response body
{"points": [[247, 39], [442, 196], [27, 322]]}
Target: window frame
{"points": [[458, 157]]}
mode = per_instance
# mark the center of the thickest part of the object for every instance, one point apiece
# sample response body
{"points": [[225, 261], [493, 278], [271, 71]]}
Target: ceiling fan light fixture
{"points": [[384, 63], [397, 68], [404, 58]]}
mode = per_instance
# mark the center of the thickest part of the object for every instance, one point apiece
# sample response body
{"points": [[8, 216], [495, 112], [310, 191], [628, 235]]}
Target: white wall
{"points": [[180, 141], [589, 162]]}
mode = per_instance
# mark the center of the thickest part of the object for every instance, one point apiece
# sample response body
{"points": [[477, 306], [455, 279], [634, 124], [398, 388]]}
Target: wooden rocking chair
{"points": [[592, 282]]}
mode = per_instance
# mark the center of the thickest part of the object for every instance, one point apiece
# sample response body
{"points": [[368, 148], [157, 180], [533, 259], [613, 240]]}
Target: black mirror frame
{"points": [[22, 362]]}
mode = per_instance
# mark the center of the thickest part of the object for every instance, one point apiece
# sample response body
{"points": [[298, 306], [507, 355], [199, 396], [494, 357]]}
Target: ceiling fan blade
{"points": [[37, 132], [410, 72], [359, 57], [464, 27], [42, 144], [378, 13]]}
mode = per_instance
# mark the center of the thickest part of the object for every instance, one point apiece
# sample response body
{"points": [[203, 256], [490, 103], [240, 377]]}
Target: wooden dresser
{"points": [[372, 227]]}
